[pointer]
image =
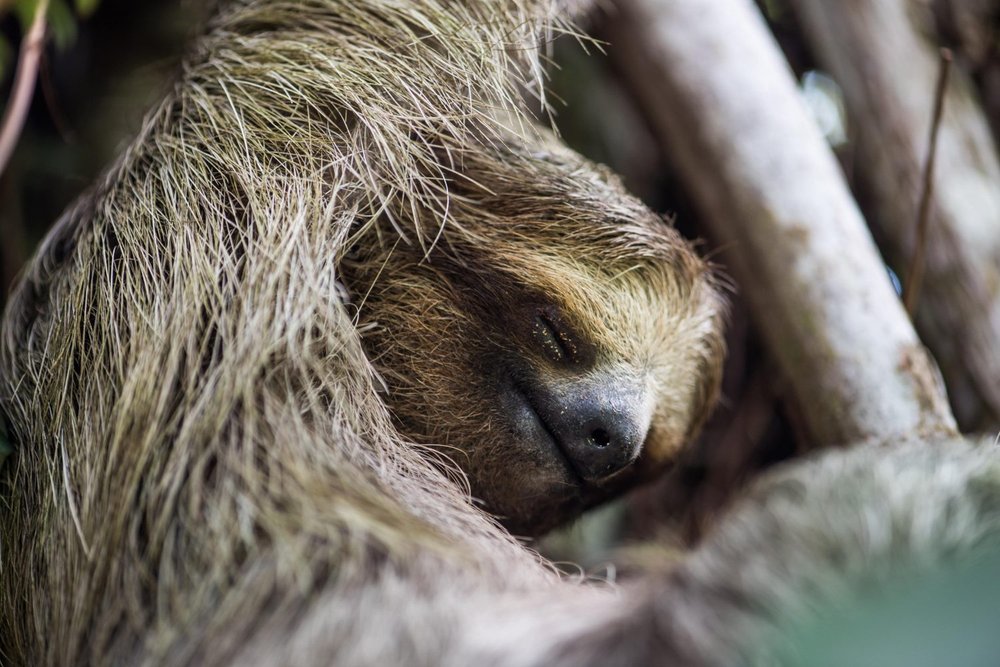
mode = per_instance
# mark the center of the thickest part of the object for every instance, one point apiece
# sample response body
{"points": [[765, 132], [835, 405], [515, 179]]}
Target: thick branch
{"points": [[727, 109], [879, 53]]}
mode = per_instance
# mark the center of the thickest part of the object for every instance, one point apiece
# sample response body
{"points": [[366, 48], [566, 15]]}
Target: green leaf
{"points": [[85, 8], [62, 24], [25, 10], [62, 18]]}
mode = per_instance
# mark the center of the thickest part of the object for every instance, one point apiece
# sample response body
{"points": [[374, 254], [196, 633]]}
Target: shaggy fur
{"points": [[207, 471], [202, 439]]}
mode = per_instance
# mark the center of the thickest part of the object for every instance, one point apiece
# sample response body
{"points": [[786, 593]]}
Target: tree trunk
{"points": [[726, 107], [880, 53]]}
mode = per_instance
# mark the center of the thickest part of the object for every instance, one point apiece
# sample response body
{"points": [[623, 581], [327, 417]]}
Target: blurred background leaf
{"points": [[62, 23], [86, 7]]}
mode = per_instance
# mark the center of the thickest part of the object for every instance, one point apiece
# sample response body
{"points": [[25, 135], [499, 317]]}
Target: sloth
{"points": [[340, 322], [319, 329], [553, 352]]}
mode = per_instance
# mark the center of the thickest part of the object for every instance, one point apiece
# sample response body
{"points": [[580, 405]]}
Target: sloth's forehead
{"points": [[635, 286], [610, 245]]}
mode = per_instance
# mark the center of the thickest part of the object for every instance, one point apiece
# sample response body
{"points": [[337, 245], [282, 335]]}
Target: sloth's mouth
{"points": [[543, 427]]}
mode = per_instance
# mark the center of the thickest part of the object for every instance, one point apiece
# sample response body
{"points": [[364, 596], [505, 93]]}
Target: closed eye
{"points": [[556, 343]]}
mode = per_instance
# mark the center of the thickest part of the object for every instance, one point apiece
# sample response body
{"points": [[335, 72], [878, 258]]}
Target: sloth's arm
{"points": [[886, 555], [855, 553], [875, 554]]}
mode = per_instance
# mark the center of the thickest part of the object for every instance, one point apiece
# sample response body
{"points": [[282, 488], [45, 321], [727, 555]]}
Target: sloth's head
{"points": [[558, 343]]}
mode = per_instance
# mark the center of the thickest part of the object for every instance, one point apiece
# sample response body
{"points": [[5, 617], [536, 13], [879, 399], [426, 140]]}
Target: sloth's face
{"points": [[555, 361]]}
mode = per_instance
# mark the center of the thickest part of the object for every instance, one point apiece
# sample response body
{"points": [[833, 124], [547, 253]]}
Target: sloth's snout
{"points": [[599, 422]]}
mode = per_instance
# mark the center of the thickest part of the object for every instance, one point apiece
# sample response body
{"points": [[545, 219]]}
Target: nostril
{"points": [[597, 424], [600, 438]]}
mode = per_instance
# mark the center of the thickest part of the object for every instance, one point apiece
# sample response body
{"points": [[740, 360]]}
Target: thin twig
{"points": [[24, 85], [915, 275]]}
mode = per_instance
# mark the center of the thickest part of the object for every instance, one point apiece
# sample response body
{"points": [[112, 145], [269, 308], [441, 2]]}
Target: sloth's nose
{"points": [[599, 423]]}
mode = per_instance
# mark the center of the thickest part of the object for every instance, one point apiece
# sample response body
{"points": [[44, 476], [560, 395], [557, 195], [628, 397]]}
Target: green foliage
{"points": [[85, 8], [25, 10], [62, 24], [62, 18]]}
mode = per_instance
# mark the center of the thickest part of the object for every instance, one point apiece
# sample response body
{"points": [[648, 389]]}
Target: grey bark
{"points": [[727, 109], [883, 53]]}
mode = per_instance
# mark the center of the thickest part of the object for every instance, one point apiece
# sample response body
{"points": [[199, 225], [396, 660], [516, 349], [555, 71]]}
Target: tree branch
{"points": [[879, 53], [726, 107], [911, 291]]}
